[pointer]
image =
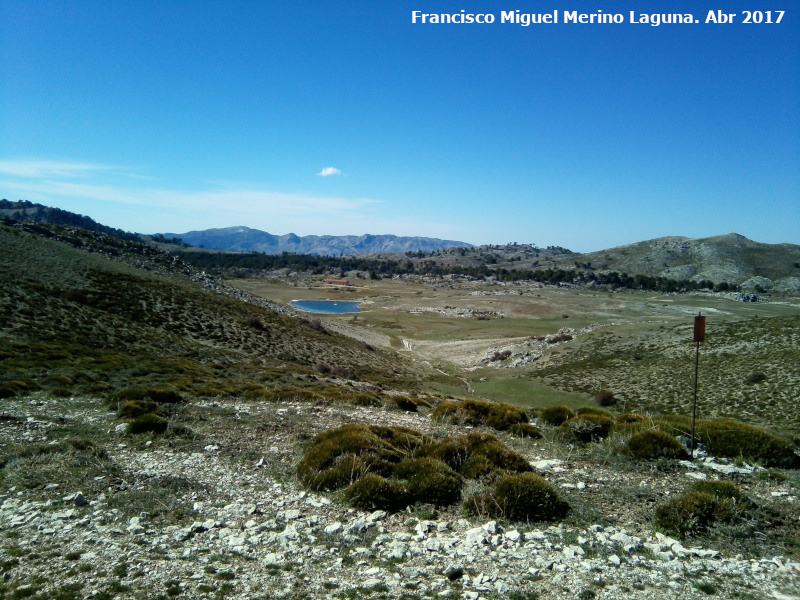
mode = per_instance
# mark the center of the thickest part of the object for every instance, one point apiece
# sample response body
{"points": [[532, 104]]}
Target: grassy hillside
{"points": [[84, 312]]}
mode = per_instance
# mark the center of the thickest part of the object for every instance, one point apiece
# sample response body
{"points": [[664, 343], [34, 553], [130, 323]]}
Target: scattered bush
{"points": [[588, 427], [160, 396], [487, 457], [605, 398], [148, 423], [479, 412], [323, 368], [729, 438], [316, 325], [524, 430], [76, 296], [498, 356], [521, 497], [556, 415], [391, 467], [363, 399], [652, 444], [704, 503], [137, 408], [404, 403], [338, 458], [755, 377], [630, 419], [593, 410], [373, 492], [430, 481], [254, 322], [558, 337]]}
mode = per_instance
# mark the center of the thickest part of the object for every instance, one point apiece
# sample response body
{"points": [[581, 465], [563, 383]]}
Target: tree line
{"points": [[248, 264]]}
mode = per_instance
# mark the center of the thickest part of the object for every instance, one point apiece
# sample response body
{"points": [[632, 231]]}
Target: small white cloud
{"points": [[328, 171]]}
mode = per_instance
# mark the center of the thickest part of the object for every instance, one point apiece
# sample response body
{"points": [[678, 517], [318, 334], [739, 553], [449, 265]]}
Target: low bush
{"points": [[561, 336], [556, 415], [429, 481], [137, 408], [316, 325], [588, 427], [703, 504], [254, 323], [729, 438], [593, 410], [391, 467], [403, 403], [338, 458], [159, 395], [652, 444], [479, 412], [630, 418], [522, 497], [373, 492], [148, 423], [605, 398], [524, 430]]}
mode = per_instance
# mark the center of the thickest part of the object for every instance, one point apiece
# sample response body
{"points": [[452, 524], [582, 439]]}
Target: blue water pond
{"points": [[326, 307]]}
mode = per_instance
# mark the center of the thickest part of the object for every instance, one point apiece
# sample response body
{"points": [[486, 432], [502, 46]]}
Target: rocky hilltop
{"points": [[733, 258]]}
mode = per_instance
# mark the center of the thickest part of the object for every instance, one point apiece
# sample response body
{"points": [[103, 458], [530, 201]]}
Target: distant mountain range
{"points": [[245, 239], [728, 258]]}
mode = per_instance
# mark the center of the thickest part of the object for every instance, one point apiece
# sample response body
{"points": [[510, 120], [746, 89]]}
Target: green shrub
{"points": [[373, 492], [522, 497], [137, 408], [726, 437], [630, 419], [148, 423], [7, 392], [391, 467], [556, 415], [337, 458], [480, 412], [703, 504], [605, 398], [404, 403], [588, 427], [161, 396], [593, 410], [363, 400], [430, 481], [652, 443], [524, 430]]}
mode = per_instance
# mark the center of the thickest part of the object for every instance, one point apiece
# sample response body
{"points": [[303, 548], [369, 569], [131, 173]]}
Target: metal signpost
{"points": [[699, 337]]}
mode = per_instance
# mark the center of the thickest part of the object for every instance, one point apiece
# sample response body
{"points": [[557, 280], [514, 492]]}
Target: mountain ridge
{"points": [[246, 239]]}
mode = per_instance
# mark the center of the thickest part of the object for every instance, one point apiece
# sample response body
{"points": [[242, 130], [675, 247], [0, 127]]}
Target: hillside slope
{"points": [[732, 258], [88, 312]]}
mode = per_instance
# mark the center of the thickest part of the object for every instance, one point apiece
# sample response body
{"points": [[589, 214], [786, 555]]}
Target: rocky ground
{"points": [[248, 530]]}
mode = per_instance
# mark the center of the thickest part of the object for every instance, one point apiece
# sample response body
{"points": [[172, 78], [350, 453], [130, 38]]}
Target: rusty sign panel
{"points": [[699, 329]]}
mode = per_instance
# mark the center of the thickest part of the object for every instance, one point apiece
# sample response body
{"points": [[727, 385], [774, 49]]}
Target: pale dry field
{"points": [[500, 341]]}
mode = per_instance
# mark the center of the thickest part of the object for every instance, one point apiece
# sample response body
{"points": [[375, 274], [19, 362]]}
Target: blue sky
{"points": [[347, 118]]}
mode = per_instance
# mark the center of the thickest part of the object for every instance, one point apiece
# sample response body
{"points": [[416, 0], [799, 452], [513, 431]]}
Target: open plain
{"points": [[508, 343]]}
